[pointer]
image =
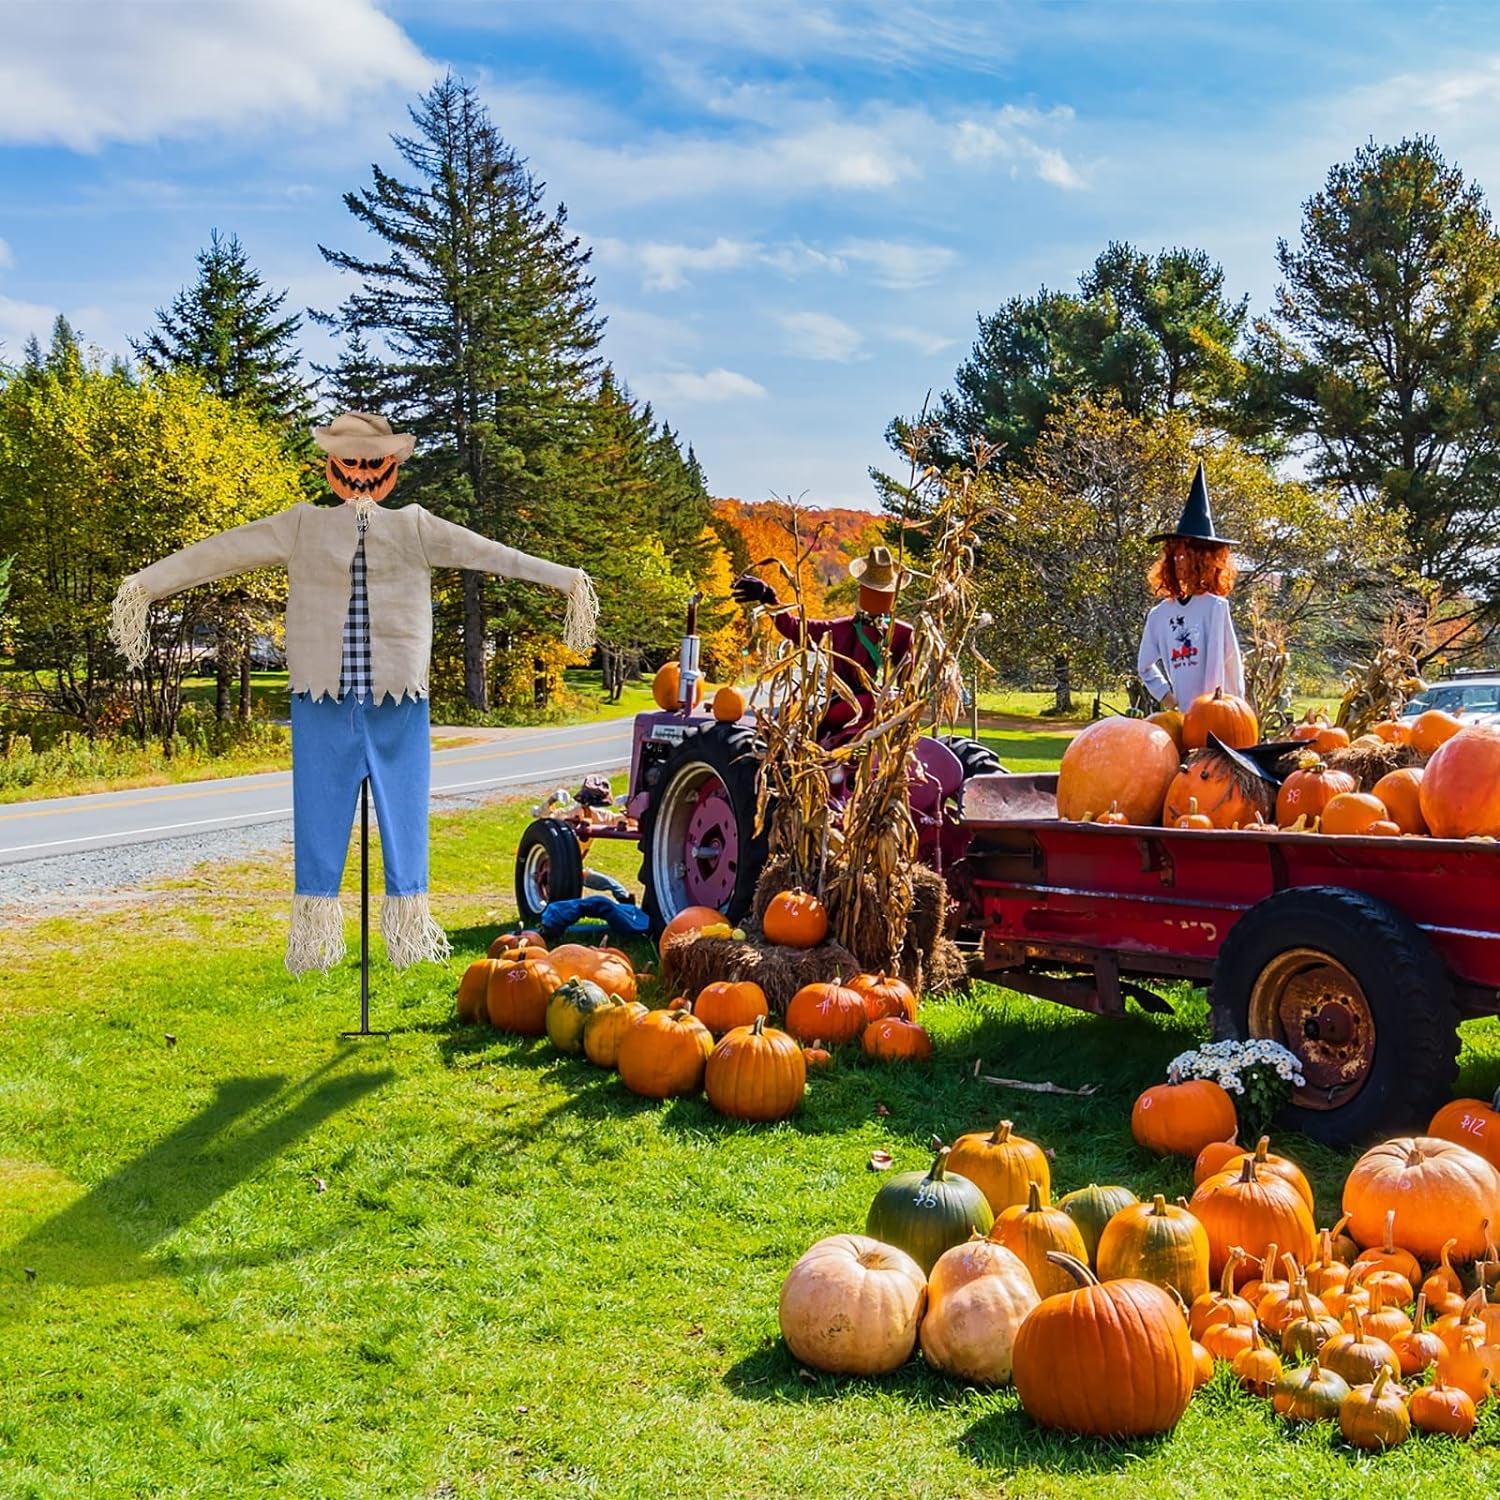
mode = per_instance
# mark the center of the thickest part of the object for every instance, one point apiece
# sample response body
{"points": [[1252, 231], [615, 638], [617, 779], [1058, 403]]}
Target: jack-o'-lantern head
{"points": [[364, 455]]}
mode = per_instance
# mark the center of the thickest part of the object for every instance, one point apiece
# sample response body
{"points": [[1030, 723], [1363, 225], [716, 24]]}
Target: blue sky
{"points": [[797, 209]]}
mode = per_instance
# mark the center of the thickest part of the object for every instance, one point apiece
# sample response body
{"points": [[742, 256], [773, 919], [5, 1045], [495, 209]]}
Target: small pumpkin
{"points": [[666, 688], [755, 1073], [729, 704], [1227, 1341], [1308, 790], [885, 996], [664, 1054], [1003, 1164], [1203, 1366], [1278, 1308], [895, 1039], [926, 1213], [826, 1012], [1330, 737], [507, 941], [1108, 1359], [1442, 1285], [1214, 1158], [1090, 1208], [1034, 1231], [1252, 1211], [1192, 818], [472, 989], [568, 1008], [1308, 728], [1327, 1273], [1313, 1326], [1472, 1367], [1357, 1355], [689, 919], [604, 1028], [1387, 1255], [1400, 793], [1112, 817], [1228, 718], [1224, 1304], [1352, 813], [1182, 1118], [1309, 1394], [795, 919], [817, 1056], [1157, 1242], [978, 1295], [728, 1003], [1374, 1415], [1257, 1368], [852, 1306], [1392, 732], [1440, 1188], [1419, 1346], [1432, 729], [516, 997], [1442, 1409]]}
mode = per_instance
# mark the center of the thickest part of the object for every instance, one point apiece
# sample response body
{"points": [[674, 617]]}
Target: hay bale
{"points": [[948, 969], [693, 961], [1368, 763]]}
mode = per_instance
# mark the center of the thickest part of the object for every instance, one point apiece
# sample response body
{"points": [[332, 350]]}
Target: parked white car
{"points": [[1471, 700]]}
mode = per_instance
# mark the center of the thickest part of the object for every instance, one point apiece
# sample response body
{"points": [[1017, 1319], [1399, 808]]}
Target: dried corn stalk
{"points": [[1381, 687], [1266, 662]]}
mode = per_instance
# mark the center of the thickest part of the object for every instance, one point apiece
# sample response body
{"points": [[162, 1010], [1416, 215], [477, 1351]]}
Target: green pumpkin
{"points": [[570, 1005], [925, 1213], [1091, 1208]]}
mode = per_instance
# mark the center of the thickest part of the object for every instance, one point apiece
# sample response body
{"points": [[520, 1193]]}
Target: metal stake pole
{"points": [[364, 916]]}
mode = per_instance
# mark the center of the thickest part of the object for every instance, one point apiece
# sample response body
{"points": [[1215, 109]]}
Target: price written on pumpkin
{"points": [[1473, 1124], [926, 1196]]}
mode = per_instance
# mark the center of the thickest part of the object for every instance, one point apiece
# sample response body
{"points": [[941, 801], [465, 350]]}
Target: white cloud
{"points": [[1009, 134], [922, 339], [688, 385], [666, 267], [816, 335], [18, 321], [82, 73], [898, 264]]}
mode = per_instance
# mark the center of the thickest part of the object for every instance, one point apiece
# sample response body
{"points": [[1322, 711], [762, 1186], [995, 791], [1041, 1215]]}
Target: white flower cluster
{"points": [[1224, 1062]]}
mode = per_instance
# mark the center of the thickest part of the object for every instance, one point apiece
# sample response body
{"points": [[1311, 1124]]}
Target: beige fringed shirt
{"points": [[315, 544]]}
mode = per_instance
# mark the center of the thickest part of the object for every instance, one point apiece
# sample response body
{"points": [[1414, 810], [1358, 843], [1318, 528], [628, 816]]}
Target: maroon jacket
{"points": [[850, 658]]}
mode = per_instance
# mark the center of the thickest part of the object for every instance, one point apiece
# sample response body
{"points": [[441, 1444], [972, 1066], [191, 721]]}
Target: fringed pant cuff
{"points": [[411, 935], [582, 618], [128, 619], [316, 939]]}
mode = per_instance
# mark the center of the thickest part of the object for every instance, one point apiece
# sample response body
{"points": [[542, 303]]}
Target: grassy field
{"points": [[239, 1256]]}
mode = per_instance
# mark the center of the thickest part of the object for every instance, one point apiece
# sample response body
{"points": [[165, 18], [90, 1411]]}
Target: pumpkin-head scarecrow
{"points": [[358, 643], [1188, 648], [864, 646]]}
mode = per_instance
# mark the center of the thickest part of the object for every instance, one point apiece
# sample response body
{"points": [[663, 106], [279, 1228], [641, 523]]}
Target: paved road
{"points": [[61, 826]]}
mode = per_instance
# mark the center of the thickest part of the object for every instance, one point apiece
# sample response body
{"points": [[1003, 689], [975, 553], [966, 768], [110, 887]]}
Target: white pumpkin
{"points": [[977, 1298]]}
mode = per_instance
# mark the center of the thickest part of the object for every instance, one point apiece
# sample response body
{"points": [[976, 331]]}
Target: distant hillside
{"points": [[757, 529]]}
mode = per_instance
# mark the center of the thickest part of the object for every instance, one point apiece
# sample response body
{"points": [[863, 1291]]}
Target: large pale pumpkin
{"points": [[1460, 792], [1127, 762], [1003, 1164], [852, 1306], [1109, 1359], [978, 1296], [1438, 1190]]}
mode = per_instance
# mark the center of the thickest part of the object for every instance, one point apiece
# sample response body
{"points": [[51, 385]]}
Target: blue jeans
{"points": [[336, 743]]}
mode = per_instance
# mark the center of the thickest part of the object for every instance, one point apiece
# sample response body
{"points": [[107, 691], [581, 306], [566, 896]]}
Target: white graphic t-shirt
{"points": [[1190, 649]]}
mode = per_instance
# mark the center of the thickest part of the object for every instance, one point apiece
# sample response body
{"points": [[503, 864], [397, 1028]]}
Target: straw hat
{"points": [[357, 434], [879, 571]]}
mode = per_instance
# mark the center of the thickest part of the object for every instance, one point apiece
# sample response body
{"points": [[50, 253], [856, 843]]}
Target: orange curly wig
{"points": [[1187, 567]]}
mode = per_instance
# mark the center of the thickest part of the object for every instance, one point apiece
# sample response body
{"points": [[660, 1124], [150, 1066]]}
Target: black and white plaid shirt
{"points": [[355, 676]]}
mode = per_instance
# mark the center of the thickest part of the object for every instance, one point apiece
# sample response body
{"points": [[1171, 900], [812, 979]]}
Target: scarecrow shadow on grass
{"points": [[105, 1237]]}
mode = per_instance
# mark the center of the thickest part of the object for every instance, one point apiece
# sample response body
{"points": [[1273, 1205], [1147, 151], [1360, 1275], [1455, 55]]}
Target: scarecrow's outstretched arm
{"points": [[266, 543], [450, 546]]}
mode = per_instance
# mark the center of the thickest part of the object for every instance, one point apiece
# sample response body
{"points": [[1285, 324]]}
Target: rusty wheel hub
{"points": [[1315, 1007]]}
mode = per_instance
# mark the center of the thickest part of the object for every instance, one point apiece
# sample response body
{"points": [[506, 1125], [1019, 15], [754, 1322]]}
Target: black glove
{"points": [[748, 589]]}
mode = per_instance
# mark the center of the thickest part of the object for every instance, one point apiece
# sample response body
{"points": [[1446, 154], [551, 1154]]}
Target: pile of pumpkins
{"points": [[584, 1000], [1133, 771], [1108, 1312]]}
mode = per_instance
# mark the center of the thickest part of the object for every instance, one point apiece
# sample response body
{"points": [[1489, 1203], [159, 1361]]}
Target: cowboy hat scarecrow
{"points": [[864, 645], [358, 645], [1188, 647]]}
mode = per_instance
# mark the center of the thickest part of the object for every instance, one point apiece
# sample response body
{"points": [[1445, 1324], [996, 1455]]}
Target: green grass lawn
{"points": [[450, 1263]]}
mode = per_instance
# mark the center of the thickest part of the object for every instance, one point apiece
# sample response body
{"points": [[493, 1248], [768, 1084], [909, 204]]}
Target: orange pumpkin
{"points": [[689, 919], [1400, 793], [1252, 1211], [1442, 1409], [1203, 1366], [1125, 762], [895, 1039], [1229, 719], [606, 1026], [1169, 719], [884, 996], [1352, 813], [1180, 1119], [1192, 818], [1113, 818], [509, 940], [1306, 792], [1431, 729], [728, 1003], [472, 990], [817, 1056], [1419, 1346], [826, 1012], [1034, 1230], [517, 994], [666, 688], [1473, 1367], [1224, 1304], [1002, 1165], [664, 1054], [1470, 1122], [1310, 727], [1224, 793], [609, 968], [795, 919], [1439, 1189], [1330, 737], [1214, 1157], [729, 704], [1392, 732], [1460, 791], [1267, 1163], [1257, 1368], [756, 1073]]}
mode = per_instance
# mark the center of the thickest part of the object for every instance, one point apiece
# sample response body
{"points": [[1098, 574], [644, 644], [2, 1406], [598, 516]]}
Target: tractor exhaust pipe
{"points": [[688, 675]]}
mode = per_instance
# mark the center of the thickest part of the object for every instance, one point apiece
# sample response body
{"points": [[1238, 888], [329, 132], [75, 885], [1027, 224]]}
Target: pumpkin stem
{"points": [[939, 1163], [1420, 1314], [1414, 1160], [1293, 1270], [1001, 1133], [1262, 1150], [1226, 1281], [1443, 1260], [1159, 1206], [1073, 1266], [1306, 1298], [1033, 1198], [758, 1026], [1357, 1319], [1381, 1377]]}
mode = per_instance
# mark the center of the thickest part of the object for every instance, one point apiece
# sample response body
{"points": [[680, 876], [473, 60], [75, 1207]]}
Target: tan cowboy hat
{"points": [[879, 571], [357, 434]]}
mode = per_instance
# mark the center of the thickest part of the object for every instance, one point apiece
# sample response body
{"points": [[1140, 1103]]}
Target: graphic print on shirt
{"points": [[1184, 651]]}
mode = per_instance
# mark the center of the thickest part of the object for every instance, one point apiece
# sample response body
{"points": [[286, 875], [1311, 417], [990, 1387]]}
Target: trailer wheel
{"points": [[1355, 990], [977, 759], [697, 837], [549, 867]]}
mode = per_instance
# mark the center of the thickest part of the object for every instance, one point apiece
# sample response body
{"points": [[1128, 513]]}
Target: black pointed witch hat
{"points": [[1197, 520]]}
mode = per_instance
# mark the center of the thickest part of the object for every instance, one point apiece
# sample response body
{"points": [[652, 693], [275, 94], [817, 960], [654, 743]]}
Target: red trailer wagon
{"points": [[1361, 955]]}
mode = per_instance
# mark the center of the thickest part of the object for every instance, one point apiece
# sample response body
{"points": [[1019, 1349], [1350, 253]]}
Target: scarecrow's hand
{"points": [[748, 589]]}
